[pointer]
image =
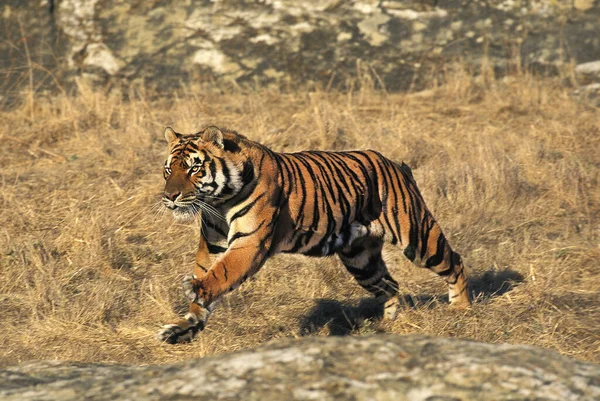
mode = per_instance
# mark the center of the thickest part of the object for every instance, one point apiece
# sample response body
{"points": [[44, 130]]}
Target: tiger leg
{"points": [[432, 251], [195, 320], [364, 261], [452, 270], [245, 255]]}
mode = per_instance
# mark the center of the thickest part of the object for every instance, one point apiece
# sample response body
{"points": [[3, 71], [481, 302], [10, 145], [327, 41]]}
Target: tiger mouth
{"points": [[184, 213]]}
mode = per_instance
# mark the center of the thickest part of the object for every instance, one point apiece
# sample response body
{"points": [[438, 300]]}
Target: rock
{"points": [[385, 367], [588, 77], [164, 44], [588, 72]]}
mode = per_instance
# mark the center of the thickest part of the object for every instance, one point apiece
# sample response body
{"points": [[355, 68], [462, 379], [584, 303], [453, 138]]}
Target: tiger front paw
{"points": [[182, 331]]}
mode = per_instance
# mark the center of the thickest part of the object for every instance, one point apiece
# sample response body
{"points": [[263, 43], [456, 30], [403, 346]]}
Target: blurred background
{"points": [[164, 45]]}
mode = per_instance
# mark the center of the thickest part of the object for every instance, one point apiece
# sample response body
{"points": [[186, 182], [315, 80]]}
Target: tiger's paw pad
{"points": [[190, 285]]}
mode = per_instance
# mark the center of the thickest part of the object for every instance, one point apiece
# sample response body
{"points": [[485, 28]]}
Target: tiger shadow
{"points": [[342, 319]]}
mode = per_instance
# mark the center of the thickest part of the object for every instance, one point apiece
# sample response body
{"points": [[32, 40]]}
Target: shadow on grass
{"points": [[343, 319], [494, 283], [340, 319]]}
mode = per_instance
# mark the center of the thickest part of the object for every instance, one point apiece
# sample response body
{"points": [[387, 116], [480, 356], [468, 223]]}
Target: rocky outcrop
{"points": [[588, 75], [169, 43], [386, 367]]}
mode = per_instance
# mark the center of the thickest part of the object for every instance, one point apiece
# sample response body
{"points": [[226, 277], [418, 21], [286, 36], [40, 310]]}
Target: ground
{"points": [[91, 263]]}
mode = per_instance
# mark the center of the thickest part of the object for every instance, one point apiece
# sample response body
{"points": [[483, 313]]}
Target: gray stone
{"points": [[165, 44], [383, 367], [588, 72]]}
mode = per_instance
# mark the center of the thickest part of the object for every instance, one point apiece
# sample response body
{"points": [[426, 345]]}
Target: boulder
{"points": [[383, 367], [588, 78], [588, 72], [170, 44]]}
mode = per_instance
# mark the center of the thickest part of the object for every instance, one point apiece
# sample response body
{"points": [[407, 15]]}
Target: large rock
{"points": [[588, 75], [169, 43], [386, 367]]}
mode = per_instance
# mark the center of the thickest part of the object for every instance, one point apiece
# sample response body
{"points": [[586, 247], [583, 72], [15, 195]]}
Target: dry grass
{"points": [[90, 267]]}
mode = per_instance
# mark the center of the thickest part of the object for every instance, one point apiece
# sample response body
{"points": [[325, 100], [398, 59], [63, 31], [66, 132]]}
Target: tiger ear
{"points": [[214, 135], [171, 136]]}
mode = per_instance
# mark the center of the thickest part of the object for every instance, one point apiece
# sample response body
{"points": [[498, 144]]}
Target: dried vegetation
{"points": [[90, 264]]}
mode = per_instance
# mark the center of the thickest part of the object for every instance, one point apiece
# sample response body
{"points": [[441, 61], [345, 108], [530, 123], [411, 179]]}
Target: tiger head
{"points": [[198, 172]]}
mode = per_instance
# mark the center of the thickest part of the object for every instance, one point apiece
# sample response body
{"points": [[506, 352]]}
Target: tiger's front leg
{"points": [[248, 249], [194, 320]]}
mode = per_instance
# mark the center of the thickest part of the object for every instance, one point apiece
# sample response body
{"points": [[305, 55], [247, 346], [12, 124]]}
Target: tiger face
{"points": [[194, 172]]}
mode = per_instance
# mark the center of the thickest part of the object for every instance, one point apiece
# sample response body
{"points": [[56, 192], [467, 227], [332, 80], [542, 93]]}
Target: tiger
{"points": [[315, 203]]}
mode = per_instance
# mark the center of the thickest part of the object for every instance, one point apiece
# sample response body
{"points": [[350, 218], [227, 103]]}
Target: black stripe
{"points": [[247, 173], [387, 171], [299, 177], [324, 175], [401, 188], [239, 234], [243, 211], [311, 173], [214, 226], [414, 210], [226, 191], [212, 165], [289, 175], [389, 184], [365, 192], [410, 252], [375, 177], [439, 255], [425, 227], [331, 221], [215, 248], [335, 172], [248, 186], [357, 184], [225, 271], [231, 146]]}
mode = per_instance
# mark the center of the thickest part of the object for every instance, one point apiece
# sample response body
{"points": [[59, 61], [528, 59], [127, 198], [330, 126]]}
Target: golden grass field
{"points": [[91, 264]]}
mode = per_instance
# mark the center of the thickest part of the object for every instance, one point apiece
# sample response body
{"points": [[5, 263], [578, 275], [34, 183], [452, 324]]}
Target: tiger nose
{"points": [[172, 195]]}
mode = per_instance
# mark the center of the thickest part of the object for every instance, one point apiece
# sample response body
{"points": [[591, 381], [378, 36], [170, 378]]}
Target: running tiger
{"points": [[314, 203]]}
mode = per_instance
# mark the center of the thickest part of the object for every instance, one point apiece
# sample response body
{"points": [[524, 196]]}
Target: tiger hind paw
{"points": [[391, 308]]}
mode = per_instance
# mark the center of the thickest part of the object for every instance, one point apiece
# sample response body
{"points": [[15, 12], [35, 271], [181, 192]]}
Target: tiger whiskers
{"points": [[208, 209], [200, 208], [157, 210]]}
